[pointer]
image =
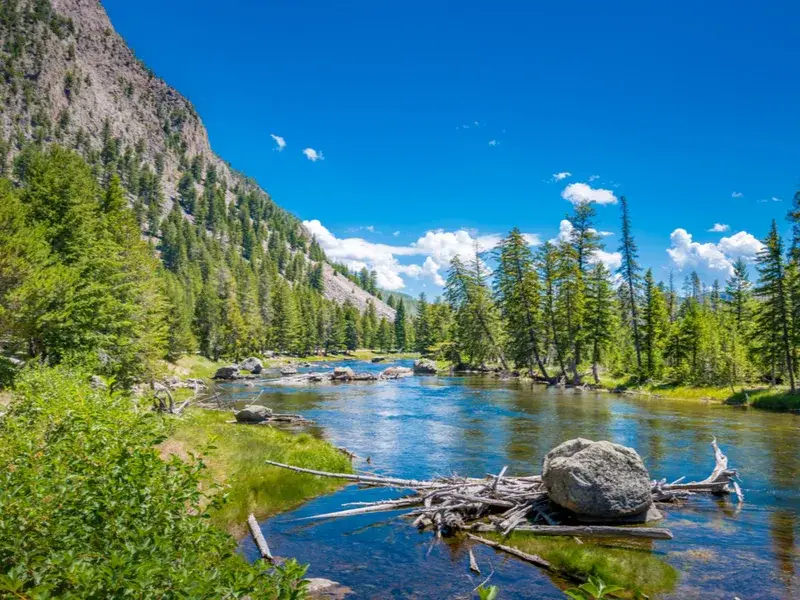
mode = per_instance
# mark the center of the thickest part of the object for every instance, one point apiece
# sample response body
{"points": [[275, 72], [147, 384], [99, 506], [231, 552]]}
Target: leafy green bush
{"points": [[88, 509]]}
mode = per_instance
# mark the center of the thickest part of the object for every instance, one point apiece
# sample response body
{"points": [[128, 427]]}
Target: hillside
{"points": [[70, 78]]}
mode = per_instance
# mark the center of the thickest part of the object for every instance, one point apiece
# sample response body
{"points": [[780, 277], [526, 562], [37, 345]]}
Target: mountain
{"points": [[70, 78]]}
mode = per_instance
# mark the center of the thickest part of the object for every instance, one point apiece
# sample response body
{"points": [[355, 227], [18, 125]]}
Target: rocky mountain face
{"points": [[68, 77]]}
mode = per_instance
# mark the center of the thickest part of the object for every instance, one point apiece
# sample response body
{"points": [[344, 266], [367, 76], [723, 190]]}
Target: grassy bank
{"points": [[636, 570], [235, 454]]}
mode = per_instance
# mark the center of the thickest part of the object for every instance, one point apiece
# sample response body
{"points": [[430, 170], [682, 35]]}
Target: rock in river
{"points": [[396, 373], [597, 480], [343, 373], [253, 414], [424, 366], [252, 364], [289, 370], [229, 372], [378, 359]]}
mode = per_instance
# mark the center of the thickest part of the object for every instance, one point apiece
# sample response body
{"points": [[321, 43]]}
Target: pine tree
{"points": [[629, 271], [774, 318], [654, 324], [599, 315], [518, 295], [400, 326]]}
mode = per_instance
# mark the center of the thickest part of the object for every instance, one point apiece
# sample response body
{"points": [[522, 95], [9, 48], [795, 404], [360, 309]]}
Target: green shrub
{"points": [[88, 509]]}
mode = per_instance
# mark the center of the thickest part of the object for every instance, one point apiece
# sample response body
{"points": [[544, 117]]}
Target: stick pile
{"points": [[500, 503]]}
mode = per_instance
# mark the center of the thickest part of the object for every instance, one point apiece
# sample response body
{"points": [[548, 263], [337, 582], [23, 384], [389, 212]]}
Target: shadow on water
{"points": [[427, 426]]}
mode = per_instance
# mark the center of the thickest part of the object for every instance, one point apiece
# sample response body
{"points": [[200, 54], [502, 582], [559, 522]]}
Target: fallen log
{"points": [[259, 539], [606, 531], [385, 481], [534, 559]]}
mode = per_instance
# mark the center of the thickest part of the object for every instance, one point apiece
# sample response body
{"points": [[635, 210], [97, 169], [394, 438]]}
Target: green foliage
{"points": [[488, 593], [593, 589], [104, 516]]}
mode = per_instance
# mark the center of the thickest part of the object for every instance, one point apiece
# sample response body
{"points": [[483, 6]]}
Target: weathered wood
{"points": [[473, 564], [382, 507], [387, 481], [534, 559], [655, 533], [258, 538]]}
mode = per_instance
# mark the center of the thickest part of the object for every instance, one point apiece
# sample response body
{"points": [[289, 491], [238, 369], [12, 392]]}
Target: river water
{"points": [[421, 427]]}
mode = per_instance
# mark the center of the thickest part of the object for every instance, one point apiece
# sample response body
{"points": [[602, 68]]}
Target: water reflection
{"points": [[424, 426]]}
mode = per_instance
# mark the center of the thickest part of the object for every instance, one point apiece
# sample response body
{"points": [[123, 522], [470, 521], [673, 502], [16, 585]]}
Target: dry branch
{"points": [[258, 538]]}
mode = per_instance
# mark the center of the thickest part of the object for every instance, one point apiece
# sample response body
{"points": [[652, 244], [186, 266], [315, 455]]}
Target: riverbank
{"points": [[234, 456]]}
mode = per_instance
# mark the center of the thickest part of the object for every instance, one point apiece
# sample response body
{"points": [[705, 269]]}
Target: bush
{"points": [[88, 509]]}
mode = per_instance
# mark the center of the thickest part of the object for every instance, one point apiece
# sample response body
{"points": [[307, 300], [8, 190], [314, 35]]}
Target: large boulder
{"points": [[288, 370], [229, 372], [396, 373], [423, 366], [253, 413], [252, 364], [343, 373], [597, 480]]}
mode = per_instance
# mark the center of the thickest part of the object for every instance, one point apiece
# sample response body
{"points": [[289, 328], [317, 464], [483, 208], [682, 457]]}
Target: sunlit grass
{"points": [[635, 570], [777, 398], [237, 462]]}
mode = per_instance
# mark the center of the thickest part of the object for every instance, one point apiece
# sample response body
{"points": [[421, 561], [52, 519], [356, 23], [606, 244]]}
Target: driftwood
{"points": [[501, 503], [258, 538]]}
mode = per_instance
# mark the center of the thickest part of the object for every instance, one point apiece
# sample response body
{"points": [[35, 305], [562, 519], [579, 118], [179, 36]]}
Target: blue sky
{"points": [[687, 108]]}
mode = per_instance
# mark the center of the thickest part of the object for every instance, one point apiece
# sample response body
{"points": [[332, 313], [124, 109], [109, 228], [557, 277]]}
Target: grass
{"points": [[235, 460], [636, 570], [196, 366], [777, 399]]}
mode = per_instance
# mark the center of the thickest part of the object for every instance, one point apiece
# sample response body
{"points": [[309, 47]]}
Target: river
{"points": [[421, 427]]}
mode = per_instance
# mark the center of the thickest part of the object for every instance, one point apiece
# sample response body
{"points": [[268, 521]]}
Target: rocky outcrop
{"points": [[340, 289], [423, 366], [252, 364], [253, 414], [597, 480], [396, 373], [229, 372], [343, 374]]}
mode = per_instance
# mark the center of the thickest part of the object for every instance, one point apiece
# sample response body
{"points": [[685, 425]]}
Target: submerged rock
{"points": [[597, 480], [318, 588], [396, 373], [252, 364], [424, 366], [229, 372], [253, 414]]}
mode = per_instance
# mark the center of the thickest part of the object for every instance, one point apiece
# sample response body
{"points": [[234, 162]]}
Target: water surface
{"points": [[422, 427]]}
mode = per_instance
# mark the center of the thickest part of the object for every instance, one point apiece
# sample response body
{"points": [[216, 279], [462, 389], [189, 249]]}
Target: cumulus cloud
{"points": [[578, 193], [562, 175], [737, 195], [279, 141], [438, 247], [709, 258], [719, 228], [313, 155], [612, 260]]}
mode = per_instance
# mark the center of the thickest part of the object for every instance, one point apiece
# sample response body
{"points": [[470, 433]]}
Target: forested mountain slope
{"points": [[69, 78]]}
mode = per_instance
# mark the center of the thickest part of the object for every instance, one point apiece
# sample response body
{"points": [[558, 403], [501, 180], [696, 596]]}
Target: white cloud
{"points": [[737, 195], [313, 155], [605, 233], [711, 259], [438, 247], [593, 177], [719, 228], [281, 143], [581, 192], [776, 199], [562, 175], [396, 233], [612, 260], [494, 143]]}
